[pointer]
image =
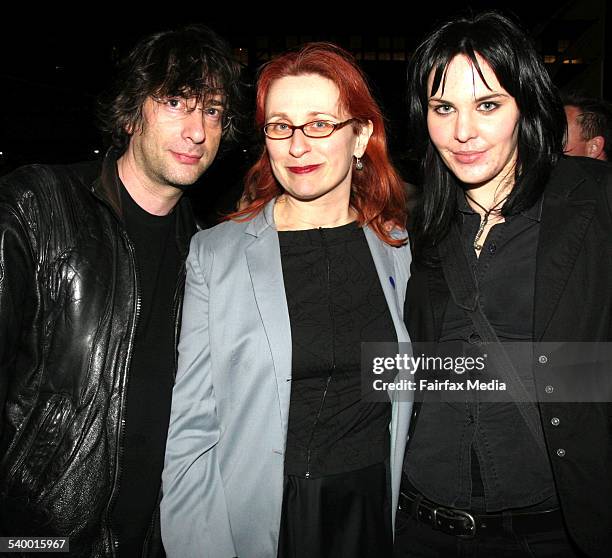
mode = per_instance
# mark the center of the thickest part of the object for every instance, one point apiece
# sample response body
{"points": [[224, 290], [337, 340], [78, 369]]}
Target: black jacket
{"points": [[69, 301], [573, 302]]}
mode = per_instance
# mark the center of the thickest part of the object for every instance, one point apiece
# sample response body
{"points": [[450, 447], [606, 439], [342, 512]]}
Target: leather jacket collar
{"points": [[107, 187]]}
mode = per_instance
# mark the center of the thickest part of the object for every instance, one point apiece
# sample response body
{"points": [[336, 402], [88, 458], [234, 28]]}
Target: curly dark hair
{"points": [[191, 62]]}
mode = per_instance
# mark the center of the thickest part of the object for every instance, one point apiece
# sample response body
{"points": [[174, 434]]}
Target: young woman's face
{"points": [[311, 168], [474, 127]]}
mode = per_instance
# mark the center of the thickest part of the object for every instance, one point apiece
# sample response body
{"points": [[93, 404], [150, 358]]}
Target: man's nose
{"points": [[194, 128]]}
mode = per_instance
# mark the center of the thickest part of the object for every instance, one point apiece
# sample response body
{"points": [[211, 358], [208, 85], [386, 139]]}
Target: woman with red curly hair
{"points": [[271, 449]]}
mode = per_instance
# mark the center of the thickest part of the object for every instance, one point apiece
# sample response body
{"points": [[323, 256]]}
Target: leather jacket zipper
{"points": [[180, 283], [122, 404], [120, 431]]}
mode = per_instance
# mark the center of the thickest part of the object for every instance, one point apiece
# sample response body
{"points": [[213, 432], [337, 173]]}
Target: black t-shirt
{"points": [[335, 303], [150, 376]]}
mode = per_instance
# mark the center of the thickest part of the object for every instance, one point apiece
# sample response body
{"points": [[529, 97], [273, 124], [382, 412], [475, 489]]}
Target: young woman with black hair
{"points": [[512, 243]]}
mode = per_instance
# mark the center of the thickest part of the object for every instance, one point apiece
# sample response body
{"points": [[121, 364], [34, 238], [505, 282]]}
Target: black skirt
{"points": [[337, 516]]}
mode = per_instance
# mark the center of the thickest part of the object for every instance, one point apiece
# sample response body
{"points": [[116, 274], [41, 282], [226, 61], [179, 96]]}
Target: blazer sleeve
{"points": [[194, 514]]}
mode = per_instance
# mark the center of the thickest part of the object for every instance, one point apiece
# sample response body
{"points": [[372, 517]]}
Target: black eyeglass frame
{"points": [[336, 126]]}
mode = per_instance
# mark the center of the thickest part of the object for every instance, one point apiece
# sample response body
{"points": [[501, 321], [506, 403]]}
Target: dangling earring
{"points": [[358, 164]]}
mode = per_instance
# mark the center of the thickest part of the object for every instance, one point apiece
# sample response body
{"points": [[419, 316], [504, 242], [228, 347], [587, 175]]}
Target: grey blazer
{"points": [[223, 475]]}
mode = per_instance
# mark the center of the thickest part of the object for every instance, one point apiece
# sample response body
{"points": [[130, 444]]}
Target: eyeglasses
{"points": [[314, 129], [177, 108]]}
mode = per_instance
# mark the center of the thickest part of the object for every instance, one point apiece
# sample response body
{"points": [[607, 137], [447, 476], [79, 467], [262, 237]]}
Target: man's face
{"points": [[575, 145], [178, 140]]}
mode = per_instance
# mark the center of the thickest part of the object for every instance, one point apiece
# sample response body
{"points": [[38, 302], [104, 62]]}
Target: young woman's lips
{"points": [[304, 170], [468, 157], [186, 158]]}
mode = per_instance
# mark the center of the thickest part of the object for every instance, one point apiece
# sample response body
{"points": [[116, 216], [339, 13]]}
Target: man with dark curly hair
{"points": [[92, 269]]}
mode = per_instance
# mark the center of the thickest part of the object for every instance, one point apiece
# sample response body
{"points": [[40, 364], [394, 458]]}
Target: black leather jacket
{"points": [[69, 305]]}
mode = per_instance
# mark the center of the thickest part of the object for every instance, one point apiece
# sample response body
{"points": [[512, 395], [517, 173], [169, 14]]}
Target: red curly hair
{"points": [[377, 192]]}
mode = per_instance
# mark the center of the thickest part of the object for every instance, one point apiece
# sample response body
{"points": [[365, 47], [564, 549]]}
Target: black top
{"points": [[335, 302], [472, 455], [573, 303], [150, 377]]}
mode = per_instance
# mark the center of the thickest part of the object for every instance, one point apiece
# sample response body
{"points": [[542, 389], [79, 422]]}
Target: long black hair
{"points": [[192, 61], [518, 68]]}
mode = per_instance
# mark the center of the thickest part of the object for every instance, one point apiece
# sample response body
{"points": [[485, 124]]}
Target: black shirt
{"points": [[150, 377], [335, 302], [472, 455]]}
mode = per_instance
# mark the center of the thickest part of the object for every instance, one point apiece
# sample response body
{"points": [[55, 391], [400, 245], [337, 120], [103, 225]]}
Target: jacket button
{"points": [[543, 359], [474, 338], [555, 421], [549, 389], [561, 452], [492, 248]]}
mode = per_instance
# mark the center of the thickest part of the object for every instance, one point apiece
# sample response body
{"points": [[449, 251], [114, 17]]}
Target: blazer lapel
{"points": [[392, 280], [393, 275], [562, 229], [265, 269]]}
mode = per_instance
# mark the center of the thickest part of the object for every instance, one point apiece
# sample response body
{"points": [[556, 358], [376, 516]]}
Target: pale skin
{"points": [[475, 130], [173, 148], [315, 173]]}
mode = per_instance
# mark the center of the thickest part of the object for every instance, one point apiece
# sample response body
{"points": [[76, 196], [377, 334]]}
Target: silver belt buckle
{"points": [[450, 515]]}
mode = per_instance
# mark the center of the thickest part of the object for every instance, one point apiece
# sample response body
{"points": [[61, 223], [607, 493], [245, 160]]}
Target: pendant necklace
{"points": [[485, 219]]}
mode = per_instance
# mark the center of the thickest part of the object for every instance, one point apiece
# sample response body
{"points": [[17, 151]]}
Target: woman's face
{"points": [[312, 168], [474, 127]]}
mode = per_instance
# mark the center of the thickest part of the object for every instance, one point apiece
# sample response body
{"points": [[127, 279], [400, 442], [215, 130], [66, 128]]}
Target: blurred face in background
{"points": [[574, 145]]}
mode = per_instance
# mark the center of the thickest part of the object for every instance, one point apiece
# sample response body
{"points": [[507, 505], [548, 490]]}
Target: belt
{"points": [[466, 524]]}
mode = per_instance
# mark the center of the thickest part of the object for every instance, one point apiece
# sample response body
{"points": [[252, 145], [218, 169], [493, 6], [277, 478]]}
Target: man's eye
{"points": [[175, 103], [213, 112]]}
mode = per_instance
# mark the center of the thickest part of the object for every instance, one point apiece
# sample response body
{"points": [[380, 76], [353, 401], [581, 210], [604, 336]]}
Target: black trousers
{"points": [[414, 539]]}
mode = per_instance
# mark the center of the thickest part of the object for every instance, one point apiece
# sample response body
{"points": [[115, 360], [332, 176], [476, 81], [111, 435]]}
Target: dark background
{"points": [[54, 65]]}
